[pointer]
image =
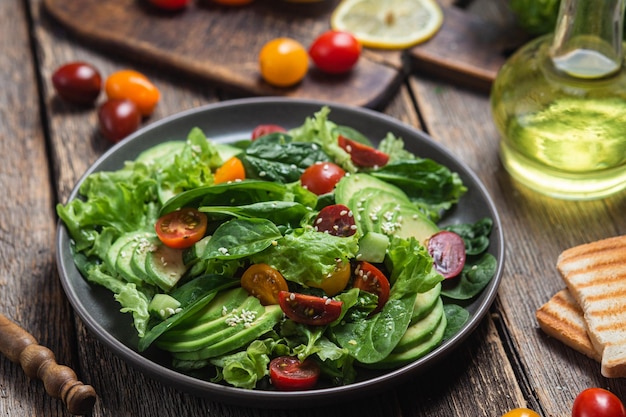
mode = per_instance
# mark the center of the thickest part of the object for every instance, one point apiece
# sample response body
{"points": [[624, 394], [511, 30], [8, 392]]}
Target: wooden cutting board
{"points": [[221, 44]]}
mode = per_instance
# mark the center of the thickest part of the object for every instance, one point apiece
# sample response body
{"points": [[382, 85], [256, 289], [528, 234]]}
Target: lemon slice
{"points": [[388, 24]]}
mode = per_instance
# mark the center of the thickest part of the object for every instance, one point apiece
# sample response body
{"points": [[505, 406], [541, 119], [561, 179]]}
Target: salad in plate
{"points": [[279, 260]]}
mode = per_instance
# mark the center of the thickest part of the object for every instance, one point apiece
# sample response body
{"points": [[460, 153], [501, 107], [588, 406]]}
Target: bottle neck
{"points": [[588, 38]]}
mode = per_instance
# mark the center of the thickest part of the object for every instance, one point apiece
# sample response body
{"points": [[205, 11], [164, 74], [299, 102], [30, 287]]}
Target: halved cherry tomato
{"points": [[263, 282], [262, 130], [181, 228], [597, 402], [283, 62], [231, 170], [521, 412], [363, 155], [287, 373], [371, 279], [448, 252], [335, 282], [321, 178], [309, 309], [335, 52], [170, 4], [336, 220], [134, 86]]}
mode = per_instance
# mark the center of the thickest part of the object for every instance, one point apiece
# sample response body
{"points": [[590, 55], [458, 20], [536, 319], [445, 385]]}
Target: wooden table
{"points": [[46, 146]]}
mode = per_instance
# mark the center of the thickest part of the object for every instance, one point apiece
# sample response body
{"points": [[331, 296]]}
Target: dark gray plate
{"points": [[229, 121]]}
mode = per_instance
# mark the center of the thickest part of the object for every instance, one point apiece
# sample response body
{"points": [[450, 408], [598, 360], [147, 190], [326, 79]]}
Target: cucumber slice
{"points": [[425, 302], [162, 151], [349, 185], [417, 333], [404, 221], [165, 267], [196, 251], [123, 263], [114, 251], [373, 247], [144, 246], [163, 306]]}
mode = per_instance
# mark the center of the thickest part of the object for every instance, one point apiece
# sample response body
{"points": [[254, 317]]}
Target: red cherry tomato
{"points": [[371, 279], [448, 252], [597, 402], [170, 4], [336, 220], [77, 82], [309, 309], [181, 228], [335, 52], [262, 130], [118, 119], [263, 282], [321, 178], [363, 155], [287, 373]]}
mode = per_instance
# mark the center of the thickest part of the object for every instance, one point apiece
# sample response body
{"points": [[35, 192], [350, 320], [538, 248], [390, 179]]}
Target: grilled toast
{"points": [[595, 274], [562, 318]]}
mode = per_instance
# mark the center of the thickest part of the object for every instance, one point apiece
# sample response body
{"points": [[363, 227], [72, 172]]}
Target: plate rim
{"points": [[267, 398]]}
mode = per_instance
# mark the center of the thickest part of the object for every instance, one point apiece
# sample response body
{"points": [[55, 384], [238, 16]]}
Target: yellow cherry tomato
{"points": [[230, 170], [233, 2], [263, 282], [284, 62], [335, 282], [133, 86], [521, 412]]}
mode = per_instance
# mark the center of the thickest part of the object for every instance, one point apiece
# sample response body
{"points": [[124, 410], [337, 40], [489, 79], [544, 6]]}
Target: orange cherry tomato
{"points": [[134, 86], [233, 2], [231, 170], [336, 281], [521, 412], [182, 228], [263, 282], [283, 62]]}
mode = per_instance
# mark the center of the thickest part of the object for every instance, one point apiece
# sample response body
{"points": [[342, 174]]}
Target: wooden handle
{"points": [[38, 362]]}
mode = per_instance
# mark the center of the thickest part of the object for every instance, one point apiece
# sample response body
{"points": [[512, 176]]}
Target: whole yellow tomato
{"points": [[133, 86], [283, 62], [521, 412]]}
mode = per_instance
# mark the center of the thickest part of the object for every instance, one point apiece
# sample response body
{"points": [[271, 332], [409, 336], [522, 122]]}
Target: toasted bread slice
{"points": [[562, 318], [595, 274]]}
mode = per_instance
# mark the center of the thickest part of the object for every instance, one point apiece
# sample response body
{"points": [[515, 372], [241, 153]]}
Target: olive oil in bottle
{"points": [[559, 104]]}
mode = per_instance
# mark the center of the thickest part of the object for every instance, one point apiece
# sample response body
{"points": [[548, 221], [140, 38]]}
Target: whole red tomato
{"points": [[170, 4], [597, 402], [335, 52]]}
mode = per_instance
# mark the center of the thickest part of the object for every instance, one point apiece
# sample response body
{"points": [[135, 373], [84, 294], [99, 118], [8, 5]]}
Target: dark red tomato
{"points": [[77, 82], [181, 228], [170, 4], [363, 155], [262, 130], [287, 373], [336, 220], [448, 252], [118, 119], [597, 402], [309, 309], [321, 178], [371, 279], [335, 52]]}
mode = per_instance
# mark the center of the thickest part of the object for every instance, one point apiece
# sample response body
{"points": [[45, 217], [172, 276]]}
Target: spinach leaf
{"points": [[474, 278], [279, 212], [475, 236], [276, 157], [456, 317], [232, 193], [239, 238]]}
